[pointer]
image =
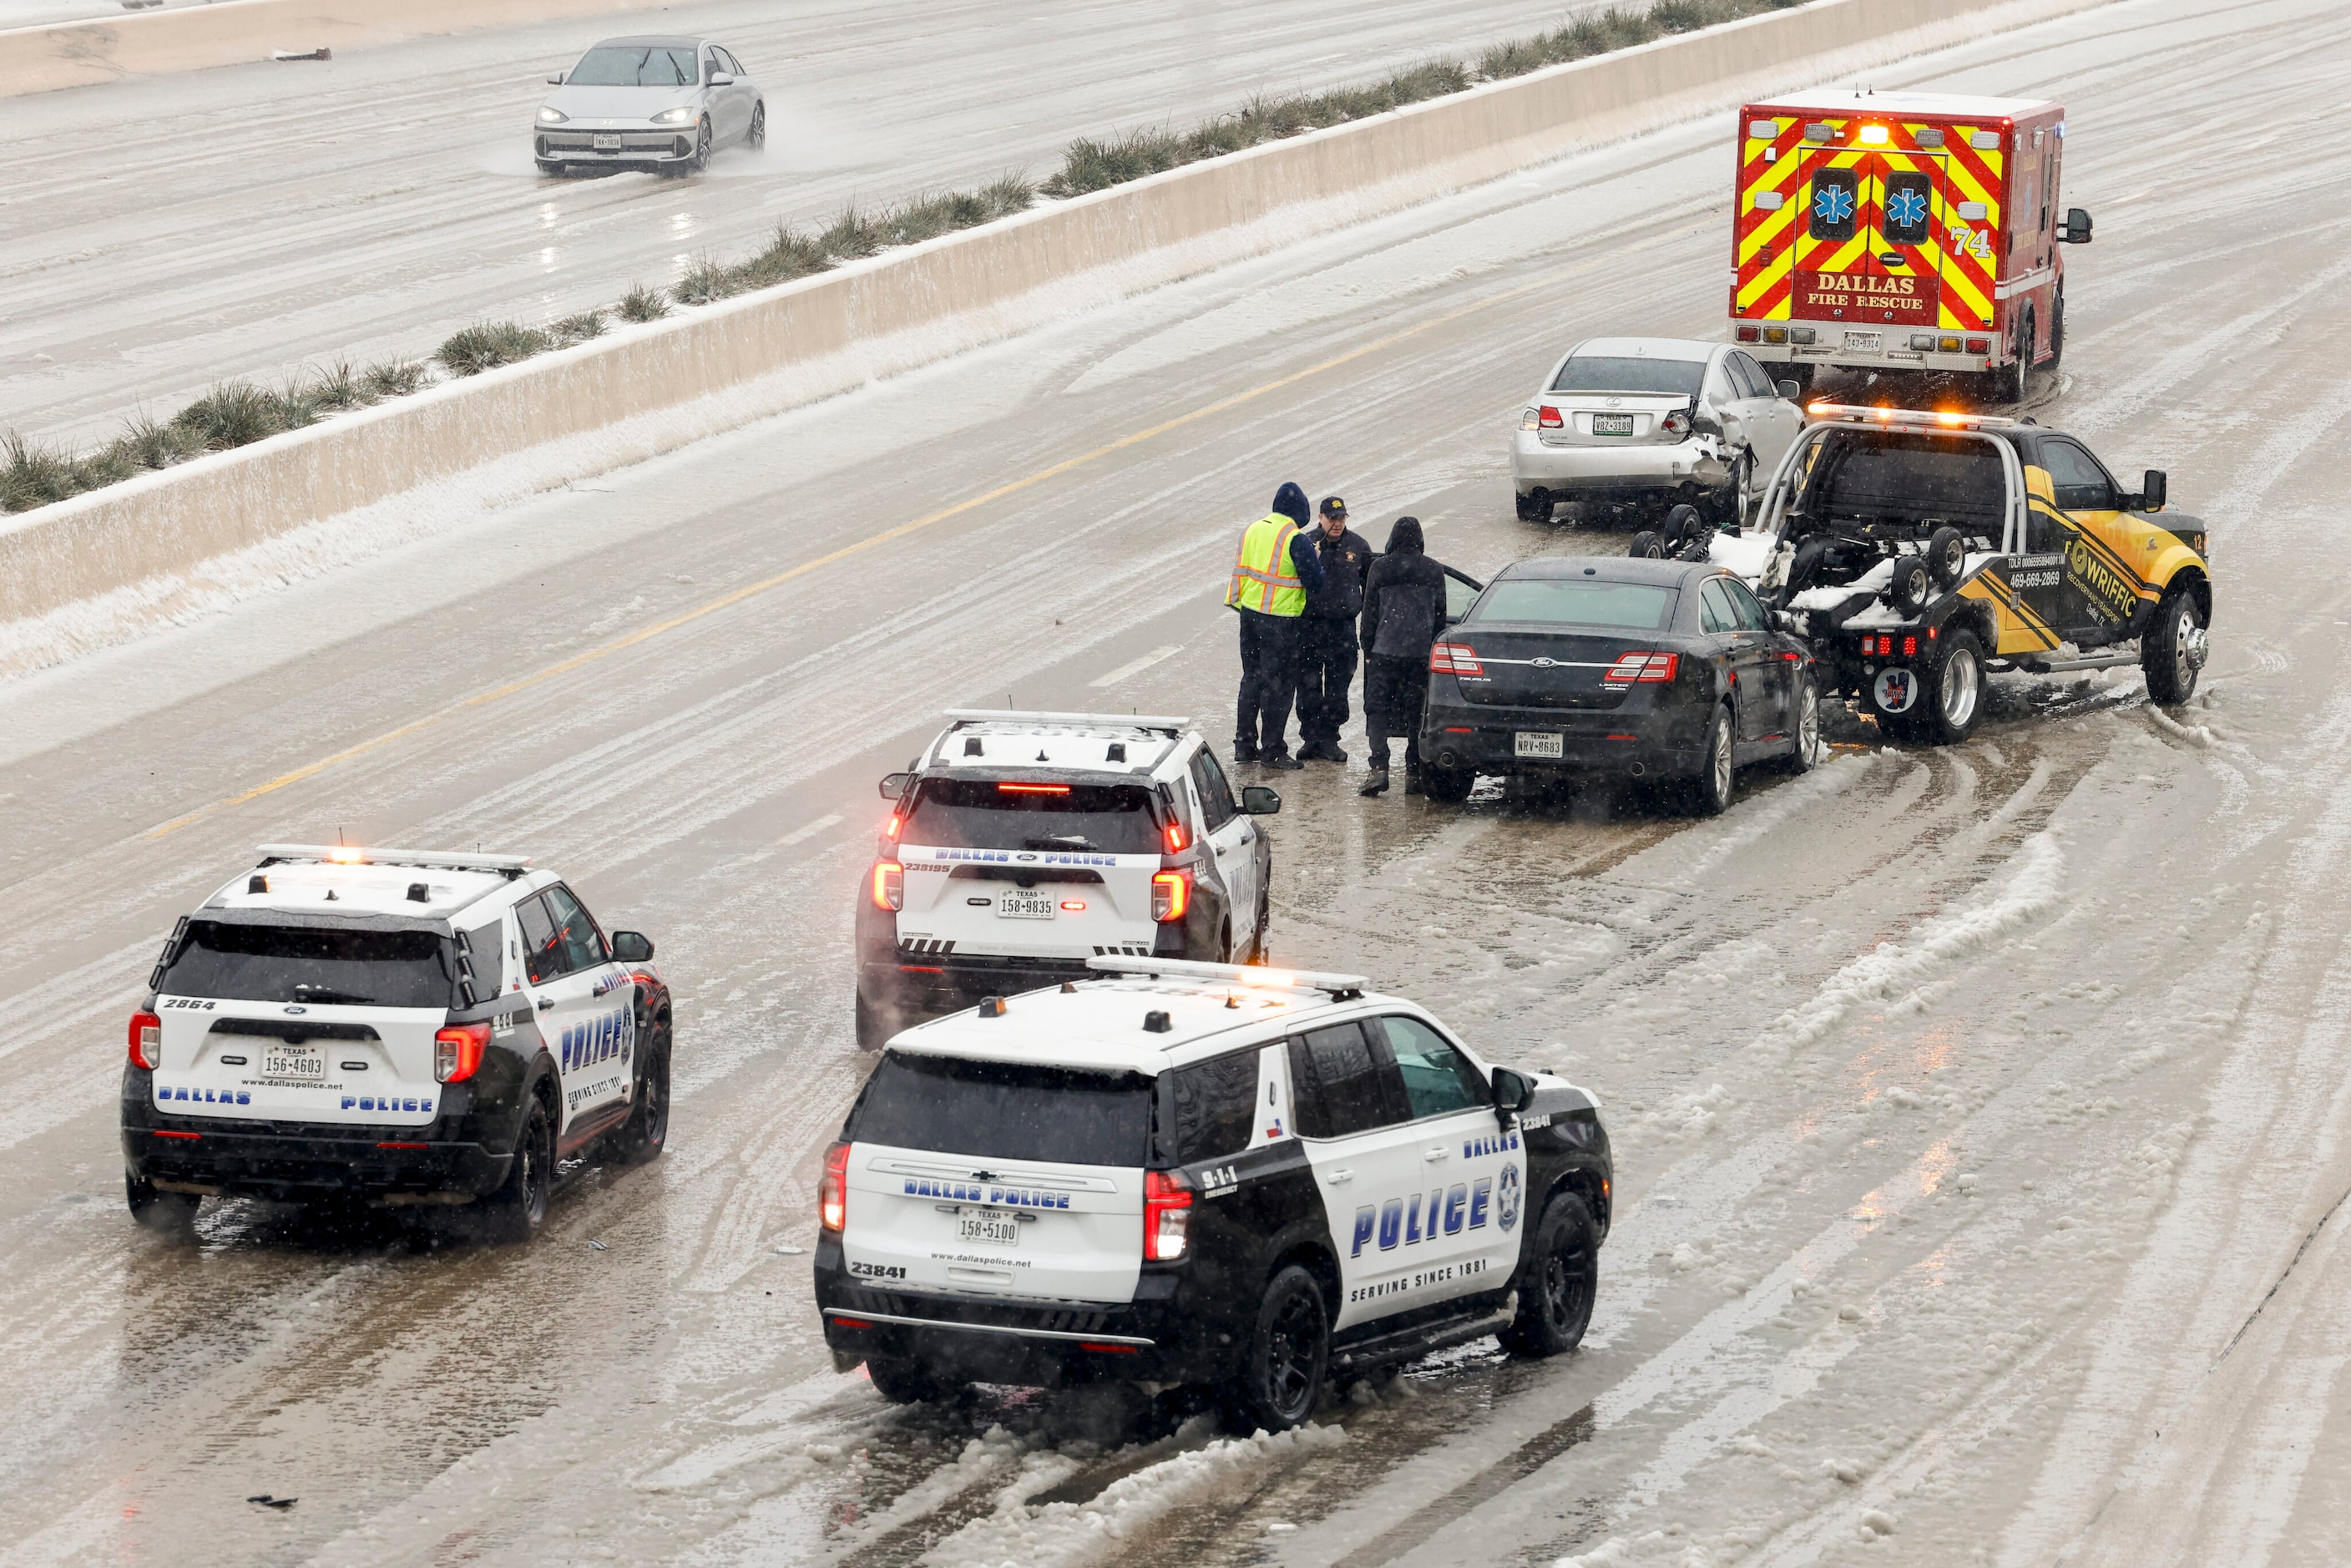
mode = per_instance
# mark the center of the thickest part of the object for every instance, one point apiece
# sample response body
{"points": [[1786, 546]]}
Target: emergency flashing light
{"points": [[1175, 839], [1946, 419], [1032, 789], [1874, 134]]}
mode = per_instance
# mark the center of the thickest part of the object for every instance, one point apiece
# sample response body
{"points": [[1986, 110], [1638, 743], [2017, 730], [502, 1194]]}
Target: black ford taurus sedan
{"points": [[1617, 668]]}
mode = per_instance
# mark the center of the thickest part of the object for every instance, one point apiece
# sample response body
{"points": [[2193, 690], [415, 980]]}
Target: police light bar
{"points": [[1120, 720], [1905, 418], [1231, 974], [350, 854]]}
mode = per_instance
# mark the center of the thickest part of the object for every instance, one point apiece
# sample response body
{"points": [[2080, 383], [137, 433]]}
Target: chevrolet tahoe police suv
{"points": [[1920, 551], [1207, 1175], [396, 1027], [1022, 844]]}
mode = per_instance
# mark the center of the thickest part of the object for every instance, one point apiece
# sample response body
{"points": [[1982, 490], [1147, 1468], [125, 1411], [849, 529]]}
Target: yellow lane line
{"points": [[725, 601]]}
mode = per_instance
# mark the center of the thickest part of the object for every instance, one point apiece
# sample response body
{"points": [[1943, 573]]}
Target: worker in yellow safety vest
{"points": [[1272, 571]]}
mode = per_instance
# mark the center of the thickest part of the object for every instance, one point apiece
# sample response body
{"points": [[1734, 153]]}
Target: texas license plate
{"points": [[607, 143], [293, 1063], [995, 1225], [1026, 905], [1611, 424], [1868, 342], [1539, 743]]}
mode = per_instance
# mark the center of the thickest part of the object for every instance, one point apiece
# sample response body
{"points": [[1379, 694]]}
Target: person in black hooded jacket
{"points": [[1403, 613]]}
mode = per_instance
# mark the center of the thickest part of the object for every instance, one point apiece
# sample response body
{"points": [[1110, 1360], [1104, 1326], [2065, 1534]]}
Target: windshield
{"points": [[637, 66], [311, 964], [976, 814], [1621, 606], [1601, 373], [1005, 1110]]}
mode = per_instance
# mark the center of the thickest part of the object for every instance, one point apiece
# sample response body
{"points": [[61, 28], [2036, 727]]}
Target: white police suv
{"points": [[1202, 1174], [393, 1025], [1022, 844]]}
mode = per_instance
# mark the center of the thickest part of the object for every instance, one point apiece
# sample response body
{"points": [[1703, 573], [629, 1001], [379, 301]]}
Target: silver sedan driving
{"points": [[648, 103]]}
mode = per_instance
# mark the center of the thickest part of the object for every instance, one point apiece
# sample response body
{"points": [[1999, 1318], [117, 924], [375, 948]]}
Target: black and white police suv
{"points": [[1023, 844], [395, 1027], [1184, 1174]]}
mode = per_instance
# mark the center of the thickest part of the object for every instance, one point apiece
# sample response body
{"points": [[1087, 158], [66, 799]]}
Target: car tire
{"points": [[640, 1140], [1730, 508], [1913, 585], [1946, 556], [700, 159], [552, 171], [1709, 789], [2015, 380], [756, 138], [1288, 1355], [2171, 651], [1683, 523], [514, 1213], [1561, 1279], [1534, 507], [1804, 726], [172, 1213], [1951, 700], [1647, 545], [902, 1382], [873, 1030], [1447, 786], [2056, 332]]}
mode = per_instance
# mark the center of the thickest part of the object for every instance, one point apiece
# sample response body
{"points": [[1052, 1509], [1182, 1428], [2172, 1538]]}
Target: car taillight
{"points": [[1883, 646], [1751, 334], [1643, 665], [146, 1040], [1167, 1215], [1171, 896], [1549, 418], [889, 885], [1979, 345], [1675, 423], [1175, 839], [458, 1051], [1454, 659], [832, 1192]]}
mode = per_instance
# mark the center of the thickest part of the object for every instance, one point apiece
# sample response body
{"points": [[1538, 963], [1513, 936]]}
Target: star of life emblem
{"points": [[1832, 204], [1906, 208]]}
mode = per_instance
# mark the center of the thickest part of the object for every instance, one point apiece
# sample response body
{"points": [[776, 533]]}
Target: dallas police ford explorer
{"points": [[1024, 843], [394, 1026], [1206, 1175]]}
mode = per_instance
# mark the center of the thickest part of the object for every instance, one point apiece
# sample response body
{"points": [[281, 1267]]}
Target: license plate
{"points": [[1870, 342], [607, 143], [995, 1225], [1026, 905], [1611, 424], [1538, 743], [294, 1065]]}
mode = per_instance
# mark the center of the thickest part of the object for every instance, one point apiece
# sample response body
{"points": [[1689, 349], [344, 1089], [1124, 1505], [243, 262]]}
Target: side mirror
{"points": [[632, 947], [555, 80], [720, 78], [1513, 1092], [1790, 390], [2075, 230], [2157, 490], [894, 785], [1258, 800]]}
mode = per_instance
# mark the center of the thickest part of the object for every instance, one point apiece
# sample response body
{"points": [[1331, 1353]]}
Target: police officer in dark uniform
{"points": [[1327, 635]]}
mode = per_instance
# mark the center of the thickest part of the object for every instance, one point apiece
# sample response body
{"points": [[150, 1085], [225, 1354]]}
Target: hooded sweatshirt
{"points": [[1403, 598], [1292, 503]]}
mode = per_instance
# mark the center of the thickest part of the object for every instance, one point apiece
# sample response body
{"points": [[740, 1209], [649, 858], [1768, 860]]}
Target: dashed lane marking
{"points": [[1137, 666], [802, 835]]}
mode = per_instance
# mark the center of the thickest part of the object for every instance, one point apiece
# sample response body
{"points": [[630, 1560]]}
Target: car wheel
{"points": [[874, 1025], [1805, 728], [1450, 786], [1562, 1276], [170, 1214], [1946, 556], [514, 1212], [1709, 791], [1647, 545], [1952, 699], [757, 137], [2173, 649], [2056, 332], [700, 159], [1913, 584], [552, 171], [1534, 507], [1289, 1350], [2015, 378], [902, 1382], [1730, 508], [640, 1139]]}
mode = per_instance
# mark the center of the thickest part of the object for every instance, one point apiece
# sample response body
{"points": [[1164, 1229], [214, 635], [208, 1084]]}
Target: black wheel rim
{"points": [[1293, 1354], [1569, 1279], [537, 1155], [656, 1098], [758, 125]]}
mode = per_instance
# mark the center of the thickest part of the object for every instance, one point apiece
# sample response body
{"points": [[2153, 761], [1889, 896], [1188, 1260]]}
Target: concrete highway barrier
{"points": [[85, 570], [236, 32]]}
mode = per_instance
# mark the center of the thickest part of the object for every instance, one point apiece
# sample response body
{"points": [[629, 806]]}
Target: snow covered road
{"points": [[160, 235], [1980, 1113]]}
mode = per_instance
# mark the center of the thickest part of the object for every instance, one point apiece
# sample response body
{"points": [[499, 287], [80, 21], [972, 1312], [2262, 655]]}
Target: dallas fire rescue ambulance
{"points": [[1903, 231]]}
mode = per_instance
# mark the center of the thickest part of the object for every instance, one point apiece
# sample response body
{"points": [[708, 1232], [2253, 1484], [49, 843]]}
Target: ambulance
{"points": [[1912, 231]]}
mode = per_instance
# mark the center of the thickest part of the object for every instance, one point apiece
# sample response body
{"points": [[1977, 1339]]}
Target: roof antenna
{"points": [[338, 837]]}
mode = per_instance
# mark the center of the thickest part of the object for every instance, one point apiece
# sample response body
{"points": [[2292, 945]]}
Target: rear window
{"points": [[975, 814], [1605, 373], [1004, 1111], [1904, 476], [1566, 602], [312, 964], [637, 66]]}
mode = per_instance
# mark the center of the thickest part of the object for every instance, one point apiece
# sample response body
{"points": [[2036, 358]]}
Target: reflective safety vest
{"points": [[1264, 577]]}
